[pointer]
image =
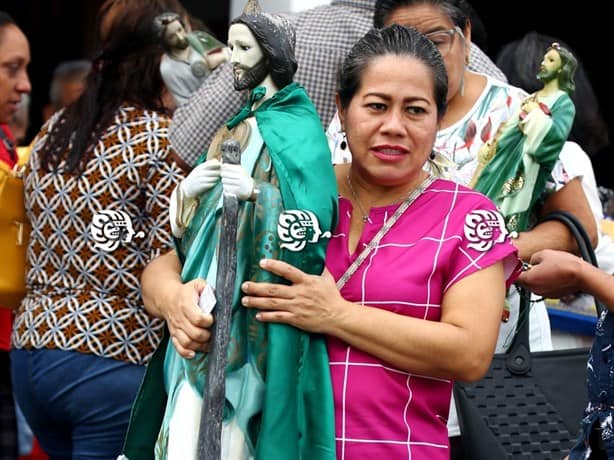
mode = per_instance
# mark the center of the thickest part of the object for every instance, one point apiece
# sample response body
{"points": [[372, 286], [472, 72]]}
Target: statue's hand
{"points": [[202, 178], [236, 181], [529, 106], [486, 152], [217, 57]]}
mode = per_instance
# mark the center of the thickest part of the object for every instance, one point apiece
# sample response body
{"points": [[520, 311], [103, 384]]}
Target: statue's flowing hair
{"points": [[568, 68]]}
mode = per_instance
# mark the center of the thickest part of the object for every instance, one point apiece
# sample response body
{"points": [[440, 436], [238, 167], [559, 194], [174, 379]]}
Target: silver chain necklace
{"points": [[382, 231], [365, 215]]}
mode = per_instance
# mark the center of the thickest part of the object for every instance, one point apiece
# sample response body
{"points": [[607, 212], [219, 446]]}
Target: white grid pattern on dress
{"points": [[369, 394]]}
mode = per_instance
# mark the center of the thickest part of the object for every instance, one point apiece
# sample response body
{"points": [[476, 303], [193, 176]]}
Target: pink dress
{"points": [[448, 233]]}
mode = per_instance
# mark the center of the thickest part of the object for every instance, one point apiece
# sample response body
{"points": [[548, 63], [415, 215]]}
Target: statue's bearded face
{"points": [[248, 62], [550, 66], [175, 36]]}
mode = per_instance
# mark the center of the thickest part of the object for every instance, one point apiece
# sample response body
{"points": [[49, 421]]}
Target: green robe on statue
{"points": [[517, 174], [278, 388]]}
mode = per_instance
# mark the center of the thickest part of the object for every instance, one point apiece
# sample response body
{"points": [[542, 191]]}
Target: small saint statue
{"points": [[515, 166], [189, 56]]}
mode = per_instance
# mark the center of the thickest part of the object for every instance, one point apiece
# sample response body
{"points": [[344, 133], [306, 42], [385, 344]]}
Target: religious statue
{"points": [[515, 166], [189, 57], [278, 394]]}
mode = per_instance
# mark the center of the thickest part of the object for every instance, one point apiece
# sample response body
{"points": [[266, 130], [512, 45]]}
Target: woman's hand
{"points": [[553, 273], [187, 324], [311, 302]]}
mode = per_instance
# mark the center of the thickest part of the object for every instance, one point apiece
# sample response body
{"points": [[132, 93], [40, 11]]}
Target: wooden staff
{"points": [[210, 431]]}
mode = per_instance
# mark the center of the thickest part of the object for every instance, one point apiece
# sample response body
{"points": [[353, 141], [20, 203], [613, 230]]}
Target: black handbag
{"points": [[528, 405]]}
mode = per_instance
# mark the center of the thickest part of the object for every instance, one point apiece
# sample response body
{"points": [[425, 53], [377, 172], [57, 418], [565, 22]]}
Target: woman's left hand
{"points": [[311, 302]]}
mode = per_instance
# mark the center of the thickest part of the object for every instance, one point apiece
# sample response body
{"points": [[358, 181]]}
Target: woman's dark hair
{"points": [[5, 20], [392, 40], [457, 10], [125, 70], [520, 62], [276, 37]]}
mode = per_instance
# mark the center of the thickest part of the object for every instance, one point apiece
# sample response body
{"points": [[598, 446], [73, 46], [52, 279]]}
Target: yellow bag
{"points": [[14, 233]]}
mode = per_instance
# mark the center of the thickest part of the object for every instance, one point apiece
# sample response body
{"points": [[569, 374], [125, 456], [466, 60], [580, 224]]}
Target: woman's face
{"points": [[14, 60], [428, 19], [391, 121]]}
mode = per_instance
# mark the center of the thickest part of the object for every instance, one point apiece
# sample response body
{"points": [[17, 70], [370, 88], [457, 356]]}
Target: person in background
{"points": [[589, 135], [324, 35], [14, 83], [67, 84], [477, 105], [397, 338], [557, 274], [21, 120], [96, 189], [29, 449]]}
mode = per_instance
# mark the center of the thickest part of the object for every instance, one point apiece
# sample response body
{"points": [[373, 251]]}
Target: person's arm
{"points": [[460, 346], [208, 108], [556, 273], [166, 296], [554, 235]]}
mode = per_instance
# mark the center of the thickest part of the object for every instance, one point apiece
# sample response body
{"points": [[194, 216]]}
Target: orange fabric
{"points": [[6, 316]]}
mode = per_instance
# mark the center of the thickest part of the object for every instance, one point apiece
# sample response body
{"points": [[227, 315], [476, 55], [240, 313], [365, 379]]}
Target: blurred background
{"points": [[61, 30]]}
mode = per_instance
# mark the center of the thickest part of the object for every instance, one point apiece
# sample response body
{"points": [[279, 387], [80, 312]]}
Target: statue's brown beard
{"points": [[251, 77]]}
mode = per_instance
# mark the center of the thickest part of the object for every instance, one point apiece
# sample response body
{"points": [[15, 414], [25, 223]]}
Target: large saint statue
{"points": [[189, 57], [278, 392], [516, 165]]}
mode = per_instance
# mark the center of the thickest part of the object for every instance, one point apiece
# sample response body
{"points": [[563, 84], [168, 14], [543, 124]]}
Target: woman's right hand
{"points": [[202, 178], [187, 324]]}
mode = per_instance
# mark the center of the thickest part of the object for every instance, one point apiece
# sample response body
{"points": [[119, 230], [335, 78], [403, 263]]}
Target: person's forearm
{"points": [[459, 346], [157, 282], [547, 235], [432, 348], [597, 283]]}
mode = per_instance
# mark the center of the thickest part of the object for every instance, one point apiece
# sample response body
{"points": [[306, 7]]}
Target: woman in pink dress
{"points": [[422, 306]]}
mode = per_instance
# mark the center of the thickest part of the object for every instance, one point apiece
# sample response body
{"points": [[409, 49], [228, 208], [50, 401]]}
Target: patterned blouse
{"points": [[92, 235]]}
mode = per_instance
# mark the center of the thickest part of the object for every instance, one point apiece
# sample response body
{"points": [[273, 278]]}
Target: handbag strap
{"points": [[382, 231], [583, 240], [519, 359]]}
